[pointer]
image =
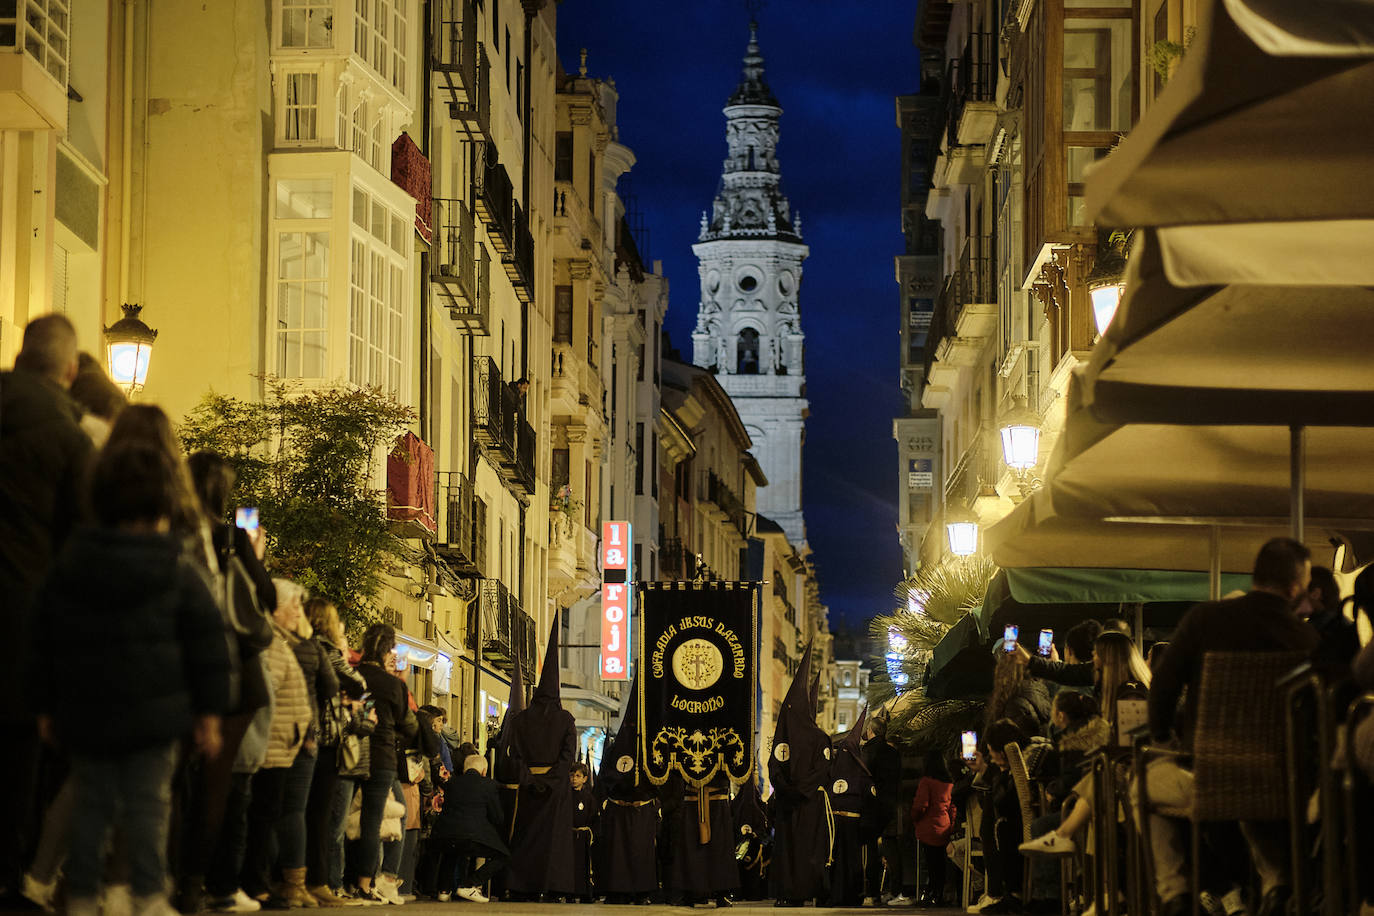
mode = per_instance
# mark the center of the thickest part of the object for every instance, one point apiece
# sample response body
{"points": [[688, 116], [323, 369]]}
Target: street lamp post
{"points": [[129, 344]]}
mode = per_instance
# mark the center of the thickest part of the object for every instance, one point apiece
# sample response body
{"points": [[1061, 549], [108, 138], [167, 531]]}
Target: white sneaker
{"points": [[117, 900], [900, 900], [40, 892], [384, 889], [472, 893], [1051, 844], [870, 901], [983, 901], [445, 897], [154, 905]]}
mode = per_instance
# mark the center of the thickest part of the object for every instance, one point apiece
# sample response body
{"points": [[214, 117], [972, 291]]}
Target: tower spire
{"points": [[752, 89]]}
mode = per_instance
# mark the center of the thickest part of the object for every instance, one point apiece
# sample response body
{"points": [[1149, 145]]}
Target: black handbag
{"points": [[250, 622], [355, 751]]}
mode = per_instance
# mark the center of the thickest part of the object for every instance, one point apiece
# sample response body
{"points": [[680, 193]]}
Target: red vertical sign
{"points": [[615, 601]]}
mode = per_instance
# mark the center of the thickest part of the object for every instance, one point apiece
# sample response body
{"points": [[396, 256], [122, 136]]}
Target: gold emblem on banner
{"points": [[697, 664], [698, 751]]}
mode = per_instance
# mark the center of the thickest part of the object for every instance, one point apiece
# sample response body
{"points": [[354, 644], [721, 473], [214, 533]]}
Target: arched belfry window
{"points": [[747, 352]]}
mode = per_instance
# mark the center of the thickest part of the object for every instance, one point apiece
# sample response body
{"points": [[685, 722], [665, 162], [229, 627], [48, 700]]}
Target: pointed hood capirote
{"points": [[619, 776], [814, 697], [541, 730], [800, 755], [851, 783], [548, 689], [507, 768]]}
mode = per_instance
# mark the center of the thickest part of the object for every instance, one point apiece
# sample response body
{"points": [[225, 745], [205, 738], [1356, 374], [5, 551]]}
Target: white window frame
{"points": [[307, 10], [293, 107], [378, 299], [284, 334]]}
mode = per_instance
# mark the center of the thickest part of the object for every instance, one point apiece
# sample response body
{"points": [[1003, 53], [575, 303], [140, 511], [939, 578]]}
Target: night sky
{"points": [[835, 68]]}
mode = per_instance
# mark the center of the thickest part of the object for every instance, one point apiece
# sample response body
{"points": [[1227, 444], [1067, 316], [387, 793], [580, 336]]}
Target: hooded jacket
{"points": [[133, 605]]}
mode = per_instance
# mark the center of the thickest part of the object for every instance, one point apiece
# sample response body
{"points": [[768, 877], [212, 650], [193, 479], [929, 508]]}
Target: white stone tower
{"points": [[749, 256]]}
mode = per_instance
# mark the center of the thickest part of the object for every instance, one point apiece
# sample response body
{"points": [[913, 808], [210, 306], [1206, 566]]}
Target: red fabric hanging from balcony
{"points": [[410, 482]]}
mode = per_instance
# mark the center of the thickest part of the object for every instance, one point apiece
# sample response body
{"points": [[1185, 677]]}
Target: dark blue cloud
{"points": [[835, 68]]}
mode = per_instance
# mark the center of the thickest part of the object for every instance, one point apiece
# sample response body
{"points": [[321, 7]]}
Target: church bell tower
{"points": [[749, 257]]}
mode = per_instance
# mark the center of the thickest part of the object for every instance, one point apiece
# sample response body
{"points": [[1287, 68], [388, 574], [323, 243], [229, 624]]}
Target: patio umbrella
{"points": [[1253, 128]]}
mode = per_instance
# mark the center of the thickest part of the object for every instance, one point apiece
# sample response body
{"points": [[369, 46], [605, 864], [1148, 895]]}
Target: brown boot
{"points": [[292, 890], [325, 896]]}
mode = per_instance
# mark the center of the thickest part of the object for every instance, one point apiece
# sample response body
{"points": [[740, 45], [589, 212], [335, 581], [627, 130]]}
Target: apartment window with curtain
{"points": [[302, 106], [377, 294], [1098, 91], [307, 23]]}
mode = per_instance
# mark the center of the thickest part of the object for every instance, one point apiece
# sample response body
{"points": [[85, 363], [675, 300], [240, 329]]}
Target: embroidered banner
{"points": [[698, 679]]}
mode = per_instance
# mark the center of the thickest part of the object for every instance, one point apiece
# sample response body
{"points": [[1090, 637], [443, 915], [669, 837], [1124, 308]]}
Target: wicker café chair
{"points": [[1020, 777], [1239, 751]]}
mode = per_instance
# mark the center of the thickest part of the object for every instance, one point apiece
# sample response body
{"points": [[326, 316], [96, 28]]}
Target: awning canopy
{"points": [[1246, 132], [1231, 354]]}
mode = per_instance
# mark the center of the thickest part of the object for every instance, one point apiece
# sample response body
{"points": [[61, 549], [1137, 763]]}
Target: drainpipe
{"points": [[127, 153]]}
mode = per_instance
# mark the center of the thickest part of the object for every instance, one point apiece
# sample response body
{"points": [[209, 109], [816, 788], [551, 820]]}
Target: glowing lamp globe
{"points": [[1021, 439], [129, 344], [962, 529], [1106, 297]]}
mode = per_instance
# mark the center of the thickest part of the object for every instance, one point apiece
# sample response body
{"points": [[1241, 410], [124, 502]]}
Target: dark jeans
{"points": [[882, 867], [1002, 860], [259, 851], [20, 803], [222, 873], [934, 863], [209, 794], [319, 823], [458, 854], [290, 828], [372, 852], [136, 790], [339, 802]]}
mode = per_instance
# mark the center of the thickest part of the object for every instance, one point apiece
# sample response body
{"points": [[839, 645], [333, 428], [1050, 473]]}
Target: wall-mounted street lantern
{"points": [[962, 530], [129, 343], [1021, 438], [1106, 282]]}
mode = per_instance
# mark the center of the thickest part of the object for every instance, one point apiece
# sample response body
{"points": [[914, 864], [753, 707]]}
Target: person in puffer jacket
{"points": [[291, 728]]}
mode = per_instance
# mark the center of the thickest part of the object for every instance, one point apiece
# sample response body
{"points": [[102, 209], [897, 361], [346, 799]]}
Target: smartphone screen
{"points": [[246, 517], [969, 742], [1009, 635], [1046, 643]]}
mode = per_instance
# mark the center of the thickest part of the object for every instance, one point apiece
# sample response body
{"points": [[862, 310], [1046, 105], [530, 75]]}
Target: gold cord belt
{"points": [[540, 771], [830, 825], [710, 796], [846, 813], [631, 804]]}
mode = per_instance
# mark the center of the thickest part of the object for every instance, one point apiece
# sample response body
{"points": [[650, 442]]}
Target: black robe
{"points": [[626, 850], [851, 801], [799, 768], [701, 871], [585, 824], [545, 741]]}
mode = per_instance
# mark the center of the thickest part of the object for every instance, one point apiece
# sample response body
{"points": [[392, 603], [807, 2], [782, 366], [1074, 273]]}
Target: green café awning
{"points": [[1113, 586]]}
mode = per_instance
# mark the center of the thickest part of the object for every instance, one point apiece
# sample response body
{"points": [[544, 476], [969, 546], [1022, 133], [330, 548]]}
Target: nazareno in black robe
{"points": [[584, 838], [544, 739], [626, 846], [506, 771], [799, 768], [753, 841], [851, 801], [698, 871]]}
